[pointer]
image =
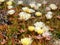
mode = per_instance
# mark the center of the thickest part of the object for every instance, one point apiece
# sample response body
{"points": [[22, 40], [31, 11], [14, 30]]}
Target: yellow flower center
{"points": [[40, 31], [26, 41], [38, 13], [31, 28], [9, 3]]}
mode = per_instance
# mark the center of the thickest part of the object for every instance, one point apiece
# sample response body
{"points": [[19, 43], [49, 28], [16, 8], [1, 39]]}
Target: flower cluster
{"points": [[26, 9], [41, 29], [35, 5], [24, 15]]}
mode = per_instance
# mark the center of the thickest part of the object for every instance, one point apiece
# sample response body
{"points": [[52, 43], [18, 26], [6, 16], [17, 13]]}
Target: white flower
{"points": [[20, 2], [35, 5], [39, 30], [46, 28], [2, 1], [11, 12], [32, 5], [49, 12], [26, 9], [49, 15], [24, 15], [31, 10], [46, 34], [26, 41], [53, 6], [39, 4], [9, 7], [39, 24]]}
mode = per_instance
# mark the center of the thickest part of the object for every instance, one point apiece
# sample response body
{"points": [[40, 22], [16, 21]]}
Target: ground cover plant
{"points": [[35, 23]]}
